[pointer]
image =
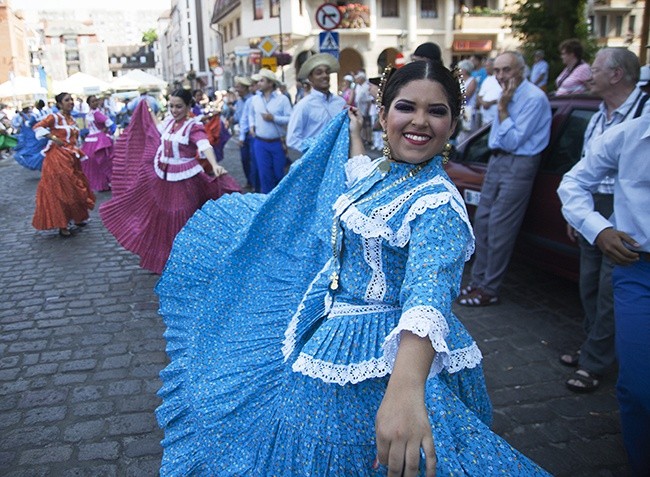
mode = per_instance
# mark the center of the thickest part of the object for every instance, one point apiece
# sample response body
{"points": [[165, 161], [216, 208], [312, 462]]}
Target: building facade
{"points": [[187, 44], [617, 23], [14, 59], [372, 33]]}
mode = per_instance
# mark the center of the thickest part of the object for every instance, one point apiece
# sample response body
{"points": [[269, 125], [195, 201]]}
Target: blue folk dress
{"points": [[29, 151], [284, 315]]}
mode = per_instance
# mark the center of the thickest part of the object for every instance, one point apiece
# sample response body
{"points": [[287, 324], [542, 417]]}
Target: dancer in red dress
{"points": [[63, 196]]}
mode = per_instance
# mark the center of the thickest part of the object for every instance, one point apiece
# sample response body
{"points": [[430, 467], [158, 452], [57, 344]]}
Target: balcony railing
{"points": [[483, 21], [609, 5]]}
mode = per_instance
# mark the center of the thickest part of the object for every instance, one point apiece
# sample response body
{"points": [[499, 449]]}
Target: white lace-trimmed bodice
{"points": [[388, 284]]}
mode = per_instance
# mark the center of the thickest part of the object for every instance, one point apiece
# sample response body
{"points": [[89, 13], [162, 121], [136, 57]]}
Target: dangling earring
{"points": [[386, 148], [446, 151]]}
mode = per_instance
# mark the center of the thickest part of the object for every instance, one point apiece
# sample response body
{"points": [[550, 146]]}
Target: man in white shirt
{"points": [[489, 94], [539, 71], [310, 116], [614, 73], [622, 152], [270, 112]]}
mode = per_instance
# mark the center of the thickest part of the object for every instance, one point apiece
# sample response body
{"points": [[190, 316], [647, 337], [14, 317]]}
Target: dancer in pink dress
{"points": [[154, 196], [98, 147]]}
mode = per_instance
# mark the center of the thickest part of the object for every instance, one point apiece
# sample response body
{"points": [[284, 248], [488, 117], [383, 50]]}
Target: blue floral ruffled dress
{"points": [[29, 151], [284, 314]]}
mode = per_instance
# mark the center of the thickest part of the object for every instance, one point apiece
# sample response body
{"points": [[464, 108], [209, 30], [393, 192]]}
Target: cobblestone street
{"points": [[81, 347]]}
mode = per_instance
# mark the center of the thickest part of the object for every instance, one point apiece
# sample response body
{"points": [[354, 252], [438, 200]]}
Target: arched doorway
{"points": [[351, 61], [386, 57]]}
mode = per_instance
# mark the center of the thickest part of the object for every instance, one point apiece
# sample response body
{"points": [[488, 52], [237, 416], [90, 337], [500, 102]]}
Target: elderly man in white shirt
{"points": [[622, 152], [489, 94], [311, 115]]}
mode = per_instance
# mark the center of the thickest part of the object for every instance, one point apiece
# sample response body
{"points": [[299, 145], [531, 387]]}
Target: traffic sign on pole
{"points": [[328, 42], [328, 16]]}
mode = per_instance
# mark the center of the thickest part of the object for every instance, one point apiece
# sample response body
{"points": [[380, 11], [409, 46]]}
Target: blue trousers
{"points": [[632, 316], [271, 161]]}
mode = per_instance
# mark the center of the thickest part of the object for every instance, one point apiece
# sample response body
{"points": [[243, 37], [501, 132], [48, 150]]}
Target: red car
{"points": [[543, 239]]}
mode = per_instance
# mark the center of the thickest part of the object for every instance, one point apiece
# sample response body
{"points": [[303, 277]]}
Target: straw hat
{"points": [[255, 78], [313, 62], [269, 75], [243, 80]]}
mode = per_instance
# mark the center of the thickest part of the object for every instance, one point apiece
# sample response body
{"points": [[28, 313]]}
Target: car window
{"points": [[567, 148], [478, 150]]}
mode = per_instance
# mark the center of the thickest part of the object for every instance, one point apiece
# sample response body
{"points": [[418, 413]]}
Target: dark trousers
{"points": [[632, 313], [271, 161], [597, 352]]}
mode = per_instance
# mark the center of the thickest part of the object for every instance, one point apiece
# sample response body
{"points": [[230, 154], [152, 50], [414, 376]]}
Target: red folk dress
{"points": [[63, 193]]}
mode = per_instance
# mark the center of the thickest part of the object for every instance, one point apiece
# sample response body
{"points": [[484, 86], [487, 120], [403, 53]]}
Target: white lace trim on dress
{"points": [[341, 309], [177, 176], [340, 373], [423, 321], [462, 358]]}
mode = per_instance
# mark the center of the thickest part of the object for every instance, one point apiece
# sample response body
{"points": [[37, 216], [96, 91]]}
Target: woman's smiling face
{"points": [[418, 122], [177, 108]]}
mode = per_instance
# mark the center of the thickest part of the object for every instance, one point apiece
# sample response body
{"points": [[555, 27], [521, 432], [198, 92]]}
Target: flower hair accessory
{"points": [[461, 84], [382, 84]]}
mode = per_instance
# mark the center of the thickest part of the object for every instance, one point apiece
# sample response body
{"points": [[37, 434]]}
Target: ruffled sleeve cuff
{"points": [[425, 322], [41, 132], [203, 145]]}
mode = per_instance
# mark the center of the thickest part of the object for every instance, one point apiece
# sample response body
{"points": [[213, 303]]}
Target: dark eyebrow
{"points": [[413, 102]]}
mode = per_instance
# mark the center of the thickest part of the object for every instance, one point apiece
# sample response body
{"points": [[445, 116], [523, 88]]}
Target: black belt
{"points": [[500, 152], [645, 256], [275, 139]]}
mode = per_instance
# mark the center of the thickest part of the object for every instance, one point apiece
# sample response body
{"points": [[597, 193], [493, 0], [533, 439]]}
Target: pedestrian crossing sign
{"points": [[328, 42]]}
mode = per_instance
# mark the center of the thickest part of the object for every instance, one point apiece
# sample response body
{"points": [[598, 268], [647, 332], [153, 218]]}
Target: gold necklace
{"points": [[334, 236]]}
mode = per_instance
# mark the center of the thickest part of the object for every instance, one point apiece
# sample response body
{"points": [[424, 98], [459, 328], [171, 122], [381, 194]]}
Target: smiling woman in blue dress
{"points": [[310, 330]]}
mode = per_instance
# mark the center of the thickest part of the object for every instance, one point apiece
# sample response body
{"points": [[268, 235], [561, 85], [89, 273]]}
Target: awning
{"points": [[472, 45]]}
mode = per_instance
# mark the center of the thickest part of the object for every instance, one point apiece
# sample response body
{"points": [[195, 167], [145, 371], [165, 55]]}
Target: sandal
{"points": [[570, 359], [467, 290], [583, 382], [65, 233], [478, 298]]}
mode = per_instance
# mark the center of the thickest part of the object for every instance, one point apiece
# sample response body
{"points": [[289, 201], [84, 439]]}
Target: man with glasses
{"points": [[520, 131], [614, 74]]}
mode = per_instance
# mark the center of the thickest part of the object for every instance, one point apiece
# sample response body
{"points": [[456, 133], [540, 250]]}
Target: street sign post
{"points": [[270, 62], [268, 46], [328, 42], [328, 16]]}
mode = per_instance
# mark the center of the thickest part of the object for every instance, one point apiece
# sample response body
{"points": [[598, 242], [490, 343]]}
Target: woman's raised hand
{"points": [[356, 121]]}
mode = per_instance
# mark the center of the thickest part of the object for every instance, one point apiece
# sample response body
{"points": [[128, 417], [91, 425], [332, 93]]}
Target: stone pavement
{"points": [[81, 347]]}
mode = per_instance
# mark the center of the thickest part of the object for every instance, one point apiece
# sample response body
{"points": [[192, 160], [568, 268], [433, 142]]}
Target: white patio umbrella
{"points": [[21, 86], [145, 80], [81, 84], [124, 83]]}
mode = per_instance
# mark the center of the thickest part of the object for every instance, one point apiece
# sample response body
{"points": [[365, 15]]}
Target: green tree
{"points": [[149, 36], [544, 24]]}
